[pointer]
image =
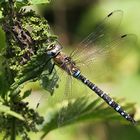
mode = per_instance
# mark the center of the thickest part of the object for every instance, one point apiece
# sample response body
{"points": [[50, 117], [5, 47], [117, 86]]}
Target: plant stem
{"points": [[11, 5], [13, 129]]}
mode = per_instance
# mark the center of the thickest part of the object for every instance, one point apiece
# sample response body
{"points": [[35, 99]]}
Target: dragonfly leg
{"points": [[51, 70]]}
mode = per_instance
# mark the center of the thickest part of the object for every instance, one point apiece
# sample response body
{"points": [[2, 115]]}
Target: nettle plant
{"points": [[23, 59]]}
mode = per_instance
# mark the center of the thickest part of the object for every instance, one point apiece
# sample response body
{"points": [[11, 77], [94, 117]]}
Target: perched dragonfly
{"points": [[67, 64]]}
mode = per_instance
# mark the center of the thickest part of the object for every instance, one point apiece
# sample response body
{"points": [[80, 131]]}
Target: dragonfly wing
{"points": [[96, 53], [101, 34], [103, 61]]}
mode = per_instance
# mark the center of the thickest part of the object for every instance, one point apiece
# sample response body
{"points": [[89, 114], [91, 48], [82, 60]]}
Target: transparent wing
{"points": [[104, 61], [95, 53], [102, 33], [65, 98]]}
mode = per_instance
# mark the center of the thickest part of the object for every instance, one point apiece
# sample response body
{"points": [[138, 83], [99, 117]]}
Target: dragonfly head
{"points": [[53, 50]]}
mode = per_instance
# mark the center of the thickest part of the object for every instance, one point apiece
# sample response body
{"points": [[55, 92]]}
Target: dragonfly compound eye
{"points": [[51, 50]]}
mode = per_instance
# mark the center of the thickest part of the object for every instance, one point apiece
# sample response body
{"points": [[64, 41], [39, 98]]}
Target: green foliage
{"points": [[22, 120], [27, 2], [81, 110], [23, 59], [28, 64]]}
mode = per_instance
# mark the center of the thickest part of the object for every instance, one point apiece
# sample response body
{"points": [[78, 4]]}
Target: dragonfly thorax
{"points": [[66, 63]]}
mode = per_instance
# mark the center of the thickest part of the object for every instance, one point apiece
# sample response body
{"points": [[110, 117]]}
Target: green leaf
{"points": [[79, 110], [49, 80], [6, 110], [40, 1], [22, 3]]}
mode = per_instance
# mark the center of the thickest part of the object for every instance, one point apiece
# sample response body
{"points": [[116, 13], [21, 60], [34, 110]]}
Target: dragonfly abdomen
{"points": [[105, 97]]}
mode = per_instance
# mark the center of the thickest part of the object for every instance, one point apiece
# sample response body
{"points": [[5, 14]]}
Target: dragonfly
{"points": [[67, 64]]}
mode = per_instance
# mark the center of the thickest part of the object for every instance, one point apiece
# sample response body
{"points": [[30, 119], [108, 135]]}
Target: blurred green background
{"points": [[120, 76]]}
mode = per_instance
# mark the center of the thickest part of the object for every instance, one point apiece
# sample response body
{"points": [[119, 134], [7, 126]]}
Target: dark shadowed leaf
{"points": [[26, 93]]}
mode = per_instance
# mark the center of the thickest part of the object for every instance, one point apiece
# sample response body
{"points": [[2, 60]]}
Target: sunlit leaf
{"points": [[39, 1]]}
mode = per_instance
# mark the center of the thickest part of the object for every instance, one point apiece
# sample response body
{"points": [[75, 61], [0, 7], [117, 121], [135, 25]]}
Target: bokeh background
{"points": [[73, 20]]}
